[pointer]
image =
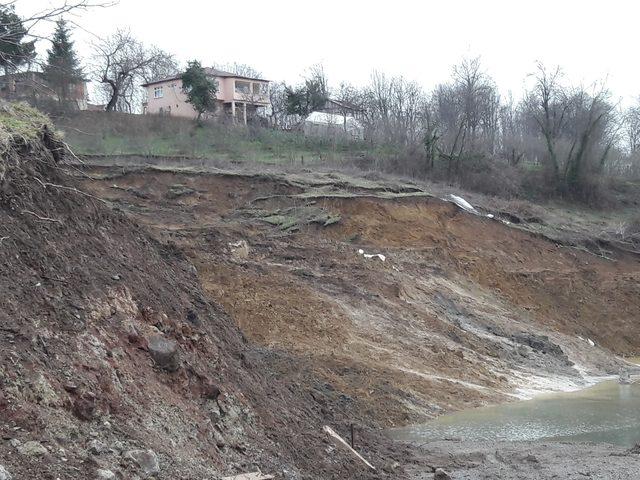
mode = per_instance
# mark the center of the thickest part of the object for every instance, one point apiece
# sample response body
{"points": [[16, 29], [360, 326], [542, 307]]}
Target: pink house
{"points": [[238, 96]]}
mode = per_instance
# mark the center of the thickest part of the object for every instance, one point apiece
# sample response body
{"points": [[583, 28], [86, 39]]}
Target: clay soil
{"points": [[464, 311]]}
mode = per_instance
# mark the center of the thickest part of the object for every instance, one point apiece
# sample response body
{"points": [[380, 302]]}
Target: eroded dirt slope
{"points": [[115, 364], [464, 310]]}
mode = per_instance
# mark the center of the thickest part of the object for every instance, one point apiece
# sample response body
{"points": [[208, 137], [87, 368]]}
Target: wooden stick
{"points": [[329, 431]]}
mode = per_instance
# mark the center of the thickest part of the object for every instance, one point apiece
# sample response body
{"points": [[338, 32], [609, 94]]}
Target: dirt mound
{"points": [[111, 357]]}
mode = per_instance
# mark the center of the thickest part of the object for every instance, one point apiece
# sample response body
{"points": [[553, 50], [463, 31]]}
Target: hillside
{"points": [[115, 360], [185, 320], [464, 310]]}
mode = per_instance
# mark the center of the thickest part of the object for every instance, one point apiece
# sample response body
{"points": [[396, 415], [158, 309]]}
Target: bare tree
{"points": [[122, 63], [50, 13], [579, 127], [241, 69], [632, 128], [393, 110]]}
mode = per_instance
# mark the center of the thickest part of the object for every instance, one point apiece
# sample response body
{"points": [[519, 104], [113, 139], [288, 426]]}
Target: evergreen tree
{"points": [[310, 96], [14, 51], [62, 68], [200, 89]]}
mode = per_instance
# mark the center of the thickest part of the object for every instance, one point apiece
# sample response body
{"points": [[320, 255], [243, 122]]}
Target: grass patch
{"points": [[101, 133]]}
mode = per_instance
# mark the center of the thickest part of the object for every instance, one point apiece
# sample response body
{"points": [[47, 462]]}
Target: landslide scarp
{"points": [[111, 357]]}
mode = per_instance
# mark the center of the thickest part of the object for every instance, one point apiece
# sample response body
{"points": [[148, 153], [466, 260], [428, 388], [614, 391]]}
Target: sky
{"points": [[420, 40]]}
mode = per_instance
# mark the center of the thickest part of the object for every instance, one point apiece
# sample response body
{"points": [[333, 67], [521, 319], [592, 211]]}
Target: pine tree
{"points": [[62, 68], [14, 52]]}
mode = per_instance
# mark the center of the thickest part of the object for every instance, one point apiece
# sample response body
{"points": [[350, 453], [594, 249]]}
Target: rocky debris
{"points": [[164, 352], [391, 466], [147, 460], [4, 473], [84, 407], [542, 344], [441, 475], [635, 449], [96, 447], [625, 377], [176, 191], [239, 250], [32, 448], [104, 475]]}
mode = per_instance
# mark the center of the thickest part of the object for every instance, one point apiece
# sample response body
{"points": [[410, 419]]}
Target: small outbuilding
{"points": [[332, 125]]}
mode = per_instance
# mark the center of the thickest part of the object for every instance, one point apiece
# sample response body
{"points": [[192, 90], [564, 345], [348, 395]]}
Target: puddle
{"points": [[607, 412]]}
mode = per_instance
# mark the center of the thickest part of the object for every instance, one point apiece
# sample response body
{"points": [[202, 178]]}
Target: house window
{"points": [[157, 92], [243, 87]]}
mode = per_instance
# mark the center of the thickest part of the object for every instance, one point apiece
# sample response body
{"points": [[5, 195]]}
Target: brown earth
{"points": [[84, 295], [464, 311]]}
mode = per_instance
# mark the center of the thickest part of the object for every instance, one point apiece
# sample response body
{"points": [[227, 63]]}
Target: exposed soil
{"points": [[281, 325], [86, 295], [464, 311]]}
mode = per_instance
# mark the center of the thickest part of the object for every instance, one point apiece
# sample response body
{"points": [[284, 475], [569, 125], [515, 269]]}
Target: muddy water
{"points": [[607, 412]]}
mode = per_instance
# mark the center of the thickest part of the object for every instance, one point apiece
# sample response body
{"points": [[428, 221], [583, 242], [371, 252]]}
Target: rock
{"points": [[220, 441], [179, 190], [105, 475], [147, 460], [635, 449], [390, 467], [4, 474], [96, 447], [164, 352], [210, 390], [441, 475], [625, 377], [84, 407], [32, 449], [192, 317], [43, 391], [239, 250], [117, 447]]}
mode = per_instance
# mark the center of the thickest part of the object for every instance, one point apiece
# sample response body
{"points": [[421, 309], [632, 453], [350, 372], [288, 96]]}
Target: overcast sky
{"points": [[420, 40]]}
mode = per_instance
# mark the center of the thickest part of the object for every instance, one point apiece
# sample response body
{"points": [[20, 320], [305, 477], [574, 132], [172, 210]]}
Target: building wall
{"points": [[174, 101], [32, 86]]}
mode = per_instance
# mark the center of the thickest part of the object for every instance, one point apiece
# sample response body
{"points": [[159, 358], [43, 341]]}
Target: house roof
{"points": [[214, 72]]}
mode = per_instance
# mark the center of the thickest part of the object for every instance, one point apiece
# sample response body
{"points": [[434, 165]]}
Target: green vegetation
{"points": [[200, 89], [62, 68], [99, 133], [14, 50], [292, 218], [20, 124]]}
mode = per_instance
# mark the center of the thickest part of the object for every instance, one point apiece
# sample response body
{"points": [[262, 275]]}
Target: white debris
{"points": [[462, 203], [591, 342], [372, 255], [239, 249], [489, 215]]}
